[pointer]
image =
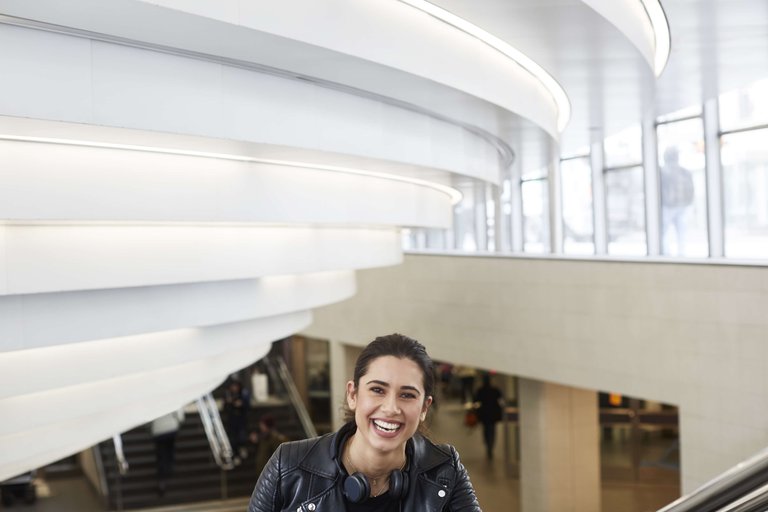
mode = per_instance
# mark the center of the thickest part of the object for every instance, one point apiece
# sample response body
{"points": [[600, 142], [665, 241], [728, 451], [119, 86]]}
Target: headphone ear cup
{"points": [[356, 488], [398, 484]]}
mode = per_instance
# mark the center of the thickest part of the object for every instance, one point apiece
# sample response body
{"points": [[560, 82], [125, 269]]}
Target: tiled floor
{"points": [[61, 494], [496, 483]]}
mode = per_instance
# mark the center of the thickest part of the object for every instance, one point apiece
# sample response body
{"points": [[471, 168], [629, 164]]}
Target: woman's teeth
{"points": [[386, 426]]}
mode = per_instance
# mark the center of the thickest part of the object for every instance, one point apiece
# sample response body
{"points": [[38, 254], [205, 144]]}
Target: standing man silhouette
{"points": [[489, 412], [676, 198]]}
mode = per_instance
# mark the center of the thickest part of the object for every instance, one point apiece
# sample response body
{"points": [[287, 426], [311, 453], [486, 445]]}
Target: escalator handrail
{"points": [[222, 452], [218, 427], [293, 395], [726, 488], [122, 463], [755, 501]]}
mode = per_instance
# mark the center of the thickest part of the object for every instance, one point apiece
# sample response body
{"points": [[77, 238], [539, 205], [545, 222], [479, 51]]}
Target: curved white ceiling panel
{"points": [[48, 319], [37, 258], [125, 356], [124, 86], [33, 448], [72, 402], [380, 46], [57, 181], [401, 37], [643, 23]]}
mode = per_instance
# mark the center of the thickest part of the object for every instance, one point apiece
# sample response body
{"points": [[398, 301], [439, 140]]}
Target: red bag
{"points": [[470, 419]]}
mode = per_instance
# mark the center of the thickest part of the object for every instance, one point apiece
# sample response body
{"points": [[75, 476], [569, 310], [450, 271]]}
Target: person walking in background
{"points": [[236, 411], [466, 375], [378, 461], [676, 196], [164, 430], [267, 440], [490, 403]]}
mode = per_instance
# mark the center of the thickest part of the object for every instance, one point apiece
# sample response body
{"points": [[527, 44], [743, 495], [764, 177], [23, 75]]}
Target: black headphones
{"points": [[357, 489]]}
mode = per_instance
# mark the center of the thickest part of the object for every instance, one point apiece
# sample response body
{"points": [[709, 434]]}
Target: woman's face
{"points": [[389, 403]]}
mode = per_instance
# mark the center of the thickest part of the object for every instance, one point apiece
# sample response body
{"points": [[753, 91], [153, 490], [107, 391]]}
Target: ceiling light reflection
{"points": [[547, 81], [453, 193], [662, 38]]}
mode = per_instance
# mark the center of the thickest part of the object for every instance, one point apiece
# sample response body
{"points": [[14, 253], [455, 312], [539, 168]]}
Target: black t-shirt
{"points": [[383, 503]]}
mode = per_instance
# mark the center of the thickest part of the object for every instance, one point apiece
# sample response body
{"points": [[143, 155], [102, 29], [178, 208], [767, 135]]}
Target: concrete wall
{"points": [[693, 335]]}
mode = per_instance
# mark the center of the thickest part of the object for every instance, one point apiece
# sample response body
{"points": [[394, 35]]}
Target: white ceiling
{"points": [[717, 45]]}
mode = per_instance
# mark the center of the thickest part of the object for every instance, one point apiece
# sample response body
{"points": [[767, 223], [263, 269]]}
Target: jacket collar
{"points": [[323, 457]]}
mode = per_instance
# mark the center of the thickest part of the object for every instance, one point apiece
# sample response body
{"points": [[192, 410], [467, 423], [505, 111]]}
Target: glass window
{"points": [[535, 215], [464, 238], [745, 107], [436, 238], [490, 216], [745, 193], [682, 182], [505, 219], [688, 112], [407, 239], [625, 211], [624, 148], [578, 222]]}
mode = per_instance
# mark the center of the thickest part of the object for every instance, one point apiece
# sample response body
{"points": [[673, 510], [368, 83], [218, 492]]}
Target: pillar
{"points": [[560, 450]]}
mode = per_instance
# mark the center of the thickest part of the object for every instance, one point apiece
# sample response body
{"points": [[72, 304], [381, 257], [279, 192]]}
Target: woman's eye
{"points": [[409, 396], [377, 390]]}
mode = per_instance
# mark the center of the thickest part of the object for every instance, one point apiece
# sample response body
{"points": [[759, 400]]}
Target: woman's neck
{"points": [[372, 463]]}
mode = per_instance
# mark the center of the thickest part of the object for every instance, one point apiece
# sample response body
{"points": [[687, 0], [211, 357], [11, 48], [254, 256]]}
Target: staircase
{"points": [[196, 476]]}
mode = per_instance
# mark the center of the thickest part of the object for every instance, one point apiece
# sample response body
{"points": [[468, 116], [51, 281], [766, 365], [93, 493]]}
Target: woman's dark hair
{"points": [[400, 346]]}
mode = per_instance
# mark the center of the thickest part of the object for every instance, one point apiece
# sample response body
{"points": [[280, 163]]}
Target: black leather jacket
{"points": [[303, 476]]}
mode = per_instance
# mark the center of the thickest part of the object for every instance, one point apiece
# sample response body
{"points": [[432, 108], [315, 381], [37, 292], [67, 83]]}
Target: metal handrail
{"points": [[293, 395], [214, 431], [205, 419], [100, 471], [756, 501], [218, 428], [122, 463], [744, 479]]}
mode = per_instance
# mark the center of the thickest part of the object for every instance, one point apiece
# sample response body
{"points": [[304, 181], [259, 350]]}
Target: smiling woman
{"points": [[378, 461]]}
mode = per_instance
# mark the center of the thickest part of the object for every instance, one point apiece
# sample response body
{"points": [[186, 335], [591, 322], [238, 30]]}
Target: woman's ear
{"points": [[351, 395], [425, 408]]}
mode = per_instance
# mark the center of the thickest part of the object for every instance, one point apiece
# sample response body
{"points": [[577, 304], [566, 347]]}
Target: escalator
{"points": [[743, 488], [204, 467]]}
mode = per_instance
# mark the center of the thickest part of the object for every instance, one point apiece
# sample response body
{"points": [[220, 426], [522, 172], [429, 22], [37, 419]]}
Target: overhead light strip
{"points": [[454, 194], [554, 89], [661, 35]]}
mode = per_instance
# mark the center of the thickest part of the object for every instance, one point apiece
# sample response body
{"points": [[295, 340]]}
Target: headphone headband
{"points": [[356, 487]]}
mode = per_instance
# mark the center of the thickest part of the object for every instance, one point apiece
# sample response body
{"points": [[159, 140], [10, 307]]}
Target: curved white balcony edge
{"points": [[48, 319], [115, 85], [52, 258], [34, 448], [62, 179], [101, 360], [644, 23]]}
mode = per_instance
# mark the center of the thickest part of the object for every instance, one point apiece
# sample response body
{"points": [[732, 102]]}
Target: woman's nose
{"points": [[390, 404]]}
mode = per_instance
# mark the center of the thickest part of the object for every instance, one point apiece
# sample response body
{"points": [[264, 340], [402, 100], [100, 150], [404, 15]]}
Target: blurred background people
{"points": [[490, 403], [267, 439], [466, 375], [164, 430], [676, 198], [236, 412]]}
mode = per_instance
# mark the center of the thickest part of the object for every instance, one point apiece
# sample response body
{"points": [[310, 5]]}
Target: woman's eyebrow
{"points": [[386, 385], [411, 388]]}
